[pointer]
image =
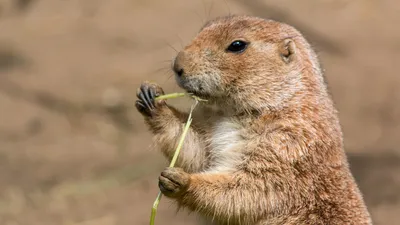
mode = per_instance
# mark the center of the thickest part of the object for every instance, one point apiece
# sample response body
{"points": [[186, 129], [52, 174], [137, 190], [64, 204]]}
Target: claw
{"points": [[146, 95], [143, 98], [138, 91], [140, 105], [150, 100], [164, 183], [153, 94], [173, 181]]}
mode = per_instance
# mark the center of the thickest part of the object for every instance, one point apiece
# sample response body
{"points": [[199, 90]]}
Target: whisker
{"points": [[180, 41], [204, 7], [165, 61], [210, 9], [171, 46], [169, 76], [163, 69], [198, 16], [227, 5]]}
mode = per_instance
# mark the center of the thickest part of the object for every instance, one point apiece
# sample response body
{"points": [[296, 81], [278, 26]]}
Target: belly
{"points": [[226, 146]]}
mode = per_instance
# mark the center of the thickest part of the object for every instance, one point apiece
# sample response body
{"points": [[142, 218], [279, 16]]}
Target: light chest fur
{"points": [[226, 146]]}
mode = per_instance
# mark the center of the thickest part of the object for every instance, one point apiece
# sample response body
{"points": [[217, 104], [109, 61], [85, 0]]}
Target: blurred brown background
{"points": [[74, 151]]}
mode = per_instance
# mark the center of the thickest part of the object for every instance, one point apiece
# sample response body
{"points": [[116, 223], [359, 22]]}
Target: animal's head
{"points": [[248, 62]]}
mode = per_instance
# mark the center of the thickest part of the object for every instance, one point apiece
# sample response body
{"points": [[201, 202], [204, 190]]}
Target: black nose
{"points": [[179, 72], [178, 64], [178, 69]]}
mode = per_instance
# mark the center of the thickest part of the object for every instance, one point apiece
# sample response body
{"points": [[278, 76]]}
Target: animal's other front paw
{"points": [[173, 182], [146, 103]]}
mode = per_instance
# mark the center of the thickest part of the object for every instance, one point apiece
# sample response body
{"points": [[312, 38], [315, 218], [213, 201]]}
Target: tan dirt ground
{"points": [[74, 151]]}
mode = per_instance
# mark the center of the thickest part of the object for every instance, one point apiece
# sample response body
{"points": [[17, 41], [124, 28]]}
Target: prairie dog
{"points": [[267, 148]]}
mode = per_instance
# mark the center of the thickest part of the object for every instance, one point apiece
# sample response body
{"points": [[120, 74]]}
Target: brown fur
{"points": [[268, 147]]}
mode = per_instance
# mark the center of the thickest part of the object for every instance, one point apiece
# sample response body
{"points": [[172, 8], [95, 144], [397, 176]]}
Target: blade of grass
{"points": [[172, 95], [177, 151]]}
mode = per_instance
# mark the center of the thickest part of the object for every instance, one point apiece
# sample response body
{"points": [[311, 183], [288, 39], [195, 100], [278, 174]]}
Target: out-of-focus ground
{"points": [[74, 151]]}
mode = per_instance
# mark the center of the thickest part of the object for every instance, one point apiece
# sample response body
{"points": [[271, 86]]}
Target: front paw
{"points": [[173, 182], [147, 105]]}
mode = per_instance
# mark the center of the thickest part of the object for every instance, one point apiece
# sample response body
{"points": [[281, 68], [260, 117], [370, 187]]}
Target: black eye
{"points": [[237, 46]]}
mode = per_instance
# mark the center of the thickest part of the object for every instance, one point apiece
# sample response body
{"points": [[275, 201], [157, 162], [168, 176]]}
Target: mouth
{"points": [[192, 86], [200, 95]]}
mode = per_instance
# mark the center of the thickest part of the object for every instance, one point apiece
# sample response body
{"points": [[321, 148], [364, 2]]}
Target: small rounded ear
{"points": [[287, 50]]}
